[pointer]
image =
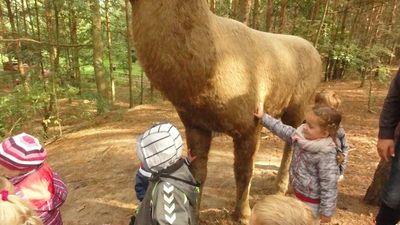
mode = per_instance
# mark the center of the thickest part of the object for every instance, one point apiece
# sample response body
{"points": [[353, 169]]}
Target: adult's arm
{"points": [[389, 118]]}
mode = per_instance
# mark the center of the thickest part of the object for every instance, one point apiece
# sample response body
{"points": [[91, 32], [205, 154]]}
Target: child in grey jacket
{"points": [[172, 192], [314, 170]]}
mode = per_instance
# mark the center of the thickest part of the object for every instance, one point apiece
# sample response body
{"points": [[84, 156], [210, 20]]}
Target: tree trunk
{"points": [[376, 24], [24, 17], [17, 44], [2, 30], [256, 10], [212, 5], [109, 48], [102, 104], [244, 11], [268, 15], [2, 25], [390, 28], [344, 20], [38, 35], [355, 23], [282, 23], [234, 8], [314, 11], [380, 177], [16, 11], [129, 41], [366, 35], [52, 107], [295, 16], [57, 41], [363, 78], [321, 23], [141, 87], [75, 51], [28, 10]]}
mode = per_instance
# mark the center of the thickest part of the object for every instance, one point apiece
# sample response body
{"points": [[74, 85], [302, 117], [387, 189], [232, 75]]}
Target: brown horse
{"points": [[215, 70]]}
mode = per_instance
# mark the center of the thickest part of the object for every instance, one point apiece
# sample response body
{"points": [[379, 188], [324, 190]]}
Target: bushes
{"points": [[31, 108]]}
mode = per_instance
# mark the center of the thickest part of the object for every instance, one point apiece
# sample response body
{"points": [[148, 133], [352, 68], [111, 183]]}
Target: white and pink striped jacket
{"points": [[44, 190]]}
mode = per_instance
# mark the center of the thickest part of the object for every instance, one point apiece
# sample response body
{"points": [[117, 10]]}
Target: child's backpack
{"points": [[145, 212]]}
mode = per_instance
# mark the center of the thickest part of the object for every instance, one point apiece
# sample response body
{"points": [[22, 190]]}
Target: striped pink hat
{"points": [[22, 152]]}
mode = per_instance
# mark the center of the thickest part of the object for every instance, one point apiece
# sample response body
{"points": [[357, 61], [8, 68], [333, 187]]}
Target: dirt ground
{"points": [[98, 163]]}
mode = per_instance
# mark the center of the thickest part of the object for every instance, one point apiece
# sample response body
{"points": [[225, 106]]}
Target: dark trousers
{"points": [[389, 212], [387, 215]]}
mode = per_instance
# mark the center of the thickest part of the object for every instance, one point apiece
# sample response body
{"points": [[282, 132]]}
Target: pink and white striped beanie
{"points": [[22, 152]]}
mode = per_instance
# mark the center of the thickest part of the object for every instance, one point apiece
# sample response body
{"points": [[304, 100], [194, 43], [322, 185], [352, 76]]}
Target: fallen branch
{"points": [[43, 43]]}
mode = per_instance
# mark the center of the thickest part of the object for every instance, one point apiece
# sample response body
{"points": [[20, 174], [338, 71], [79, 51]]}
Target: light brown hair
{"points": [[278, 209], [14, 210], [329, 119], [327, 98]]}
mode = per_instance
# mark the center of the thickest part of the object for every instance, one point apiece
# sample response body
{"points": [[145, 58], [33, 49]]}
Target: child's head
{"points": [[321, 122], [159, 147], [327, 98], [278, 209], [20, 154], [14, 210]]}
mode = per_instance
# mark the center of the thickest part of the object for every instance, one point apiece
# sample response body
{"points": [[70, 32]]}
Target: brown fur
{"points": [[215, 71], [279, 210]]}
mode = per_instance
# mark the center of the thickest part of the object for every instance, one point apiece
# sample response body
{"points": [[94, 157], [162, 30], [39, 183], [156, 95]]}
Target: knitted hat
{"points": [[159, 147], [21, 152]]}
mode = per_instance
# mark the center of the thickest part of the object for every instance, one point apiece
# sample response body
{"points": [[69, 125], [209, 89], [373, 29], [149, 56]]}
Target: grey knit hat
{"points": [[159, 147]]}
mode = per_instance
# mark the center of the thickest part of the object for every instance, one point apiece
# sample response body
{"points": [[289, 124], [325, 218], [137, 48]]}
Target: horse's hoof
{"points": [[242, 218]]}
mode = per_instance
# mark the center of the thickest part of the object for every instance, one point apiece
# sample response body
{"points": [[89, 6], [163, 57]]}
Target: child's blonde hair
{"points": [[14, 210], [327, 98], [278, 209]]}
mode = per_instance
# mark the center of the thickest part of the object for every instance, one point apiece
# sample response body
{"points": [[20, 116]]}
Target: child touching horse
{"points": [[14, 210], [22, 161], [314, 170]]}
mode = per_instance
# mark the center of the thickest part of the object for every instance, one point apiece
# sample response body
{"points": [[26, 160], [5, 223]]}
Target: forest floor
{"points": [[98, 163]]}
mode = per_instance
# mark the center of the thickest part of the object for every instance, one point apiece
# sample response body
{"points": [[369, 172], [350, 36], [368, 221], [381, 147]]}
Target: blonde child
{"points": [[331, 99], [22, 161], [14, 210], [314, 170], [279, 209]]}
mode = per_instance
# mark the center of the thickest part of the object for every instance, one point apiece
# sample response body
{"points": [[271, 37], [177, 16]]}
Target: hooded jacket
{"points": [[170, 198], [313, 171]]}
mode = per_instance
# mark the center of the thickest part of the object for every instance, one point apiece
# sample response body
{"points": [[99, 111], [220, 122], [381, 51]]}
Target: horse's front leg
{"points": [[199, 142], [245, 148]]}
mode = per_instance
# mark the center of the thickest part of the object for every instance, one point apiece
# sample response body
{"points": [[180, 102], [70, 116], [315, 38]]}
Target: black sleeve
{"points": [[390, 115]]}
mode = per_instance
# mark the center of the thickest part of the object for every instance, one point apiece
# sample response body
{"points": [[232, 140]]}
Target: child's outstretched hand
{"points": [[190, 158], [259, 110]]}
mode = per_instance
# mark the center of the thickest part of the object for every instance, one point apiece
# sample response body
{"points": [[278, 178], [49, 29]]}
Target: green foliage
{"points": [[30, 107], [382, 74], [21, 106]]}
